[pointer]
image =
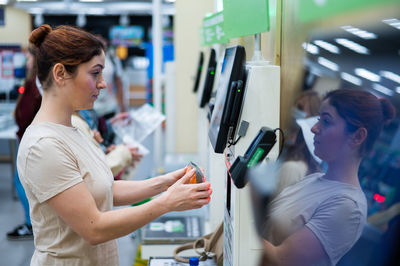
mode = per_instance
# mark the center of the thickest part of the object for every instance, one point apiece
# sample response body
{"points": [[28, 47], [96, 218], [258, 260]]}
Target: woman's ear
{"points": [[359, 136], [59, 74]]}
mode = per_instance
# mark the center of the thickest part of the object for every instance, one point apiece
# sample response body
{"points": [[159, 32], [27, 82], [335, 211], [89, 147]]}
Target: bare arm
{"points": [[120, 93], [128, 192], [78, 209], [301, 248]]}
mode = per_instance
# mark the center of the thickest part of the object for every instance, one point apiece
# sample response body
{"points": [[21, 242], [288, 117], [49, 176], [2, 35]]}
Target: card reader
{"points": [[257, 151]]}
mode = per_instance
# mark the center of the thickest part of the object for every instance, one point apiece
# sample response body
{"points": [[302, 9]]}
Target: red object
{"points": [[21, 89], [379, 198], [27, 106]]}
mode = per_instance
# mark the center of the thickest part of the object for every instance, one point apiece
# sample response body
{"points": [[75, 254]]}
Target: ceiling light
{"points": [[170, 1], [398, 89], [329, 64], [26, 0], [311, 48], [390, 75], [360, 33], [382, 89], [3, 2], [91, 1], [352, 46], [327, 46], [351, 78], [367, 74], [394, 22]]}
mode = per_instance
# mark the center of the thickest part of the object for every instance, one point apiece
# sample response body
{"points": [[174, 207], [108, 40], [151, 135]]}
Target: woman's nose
{"points": [[314, 129], [102, 84]]}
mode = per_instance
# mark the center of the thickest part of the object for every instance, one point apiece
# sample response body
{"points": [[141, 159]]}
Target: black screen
{"points": [[198, 72], [205, 92], [233, 69]]}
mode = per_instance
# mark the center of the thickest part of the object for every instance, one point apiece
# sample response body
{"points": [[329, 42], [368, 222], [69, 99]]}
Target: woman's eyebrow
{"points": [[326, 113], [98, 65]]}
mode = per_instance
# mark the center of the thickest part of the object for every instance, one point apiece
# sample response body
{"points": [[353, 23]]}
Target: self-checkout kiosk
{"points": [[241, 135], [211, 70]]}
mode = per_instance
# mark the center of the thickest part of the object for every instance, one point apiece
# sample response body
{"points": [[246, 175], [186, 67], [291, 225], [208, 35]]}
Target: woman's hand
{"points": [[97, 136], [170, 178], [136, 156], [120, 118], [184, 196]]}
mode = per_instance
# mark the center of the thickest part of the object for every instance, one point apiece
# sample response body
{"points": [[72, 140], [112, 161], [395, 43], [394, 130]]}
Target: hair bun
{"points": [[37, 36], [388, 110]]}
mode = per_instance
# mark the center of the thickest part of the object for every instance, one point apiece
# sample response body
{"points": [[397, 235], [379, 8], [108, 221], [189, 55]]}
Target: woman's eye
{"points": [[325, 121]]}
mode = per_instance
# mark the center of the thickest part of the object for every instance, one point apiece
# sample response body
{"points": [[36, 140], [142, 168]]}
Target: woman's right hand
{"points": [[183, 196]]}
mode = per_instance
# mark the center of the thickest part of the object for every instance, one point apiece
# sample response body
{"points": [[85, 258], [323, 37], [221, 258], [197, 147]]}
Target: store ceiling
{"points": [[368, 60], [105, 7]]}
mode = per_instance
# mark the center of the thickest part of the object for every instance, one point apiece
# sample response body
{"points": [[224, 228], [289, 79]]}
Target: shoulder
{"points": [[44, 141]]}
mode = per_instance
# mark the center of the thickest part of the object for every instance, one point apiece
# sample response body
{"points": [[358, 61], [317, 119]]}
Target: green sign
{"points": [[311, 10], [245, 17], [213, 29]]}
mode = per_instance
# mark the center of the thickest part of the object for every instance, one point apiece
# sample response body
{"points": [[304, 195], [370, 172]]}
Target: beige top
{"points": [[52, 158], [117, 159]]}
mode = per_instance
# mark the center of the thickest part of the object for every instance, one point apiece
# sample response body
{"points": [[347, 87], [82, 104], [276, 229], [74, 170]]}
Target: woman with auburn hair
{"points": [[317, 220], [71, 190]]}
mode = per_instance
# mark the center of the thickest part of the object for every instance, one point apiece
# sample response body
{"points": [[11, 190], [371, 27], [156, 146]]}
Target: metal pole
{"points": [[157, 77]]}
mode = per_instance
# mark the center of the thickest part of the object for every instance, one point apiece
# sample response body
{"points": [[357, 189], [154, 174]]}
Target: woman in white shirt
{"points": [[70, 188]]}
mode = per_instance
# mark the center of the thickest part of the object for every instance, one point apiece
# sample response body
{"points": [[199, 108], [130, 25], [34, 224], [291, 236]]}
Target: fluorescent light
{"points": [[351, 78], [362, 72], [170, 1], [327, 46], [311, 48], [394, 22], [382, 89], [3, 2], [398, 89], [328, 64], [26, 0], [91, 1], [360, 33], [390, 75], [352, 46]]}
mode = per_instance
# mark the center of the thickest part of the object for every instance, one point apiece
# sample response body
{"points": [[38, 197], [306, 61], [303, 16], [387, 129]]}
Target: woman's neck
{"points": [[54, 109], [344, 169]]}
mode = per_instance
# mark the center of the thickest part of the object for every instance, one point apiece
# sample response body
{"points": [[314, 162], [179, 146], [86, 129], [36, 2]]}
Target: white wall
{"points": [[187, 23], [18, 26]]}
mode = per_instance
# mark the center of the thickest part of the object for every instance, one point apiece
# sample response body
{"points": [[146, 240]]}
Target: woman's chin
{"points": [[86, 107]]}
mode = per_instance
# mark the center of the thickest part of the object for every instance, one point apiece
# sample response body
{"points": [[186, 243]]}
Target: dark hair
{"points": [[67, 45], [309, 100], [298, 151], [362, 109]]}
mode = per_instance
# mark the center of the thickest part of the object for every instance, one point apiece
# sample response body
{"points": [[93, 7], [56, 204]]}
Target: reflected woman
{"points": [[317, 220]]}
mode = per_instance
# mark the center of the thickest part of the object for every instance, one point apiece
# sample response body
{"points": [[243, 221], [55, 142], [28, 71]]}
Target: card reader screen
{"points": [[253, 144], [255, 158]]}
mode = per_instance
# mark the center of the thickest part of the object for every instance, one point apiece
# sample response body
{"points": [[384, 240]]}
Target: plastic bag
{"points": [[139, 125]]}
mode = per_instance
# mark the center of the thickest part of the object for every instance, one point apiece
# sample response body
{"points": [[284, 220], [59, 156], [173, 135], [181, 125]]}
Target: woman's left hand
{"points": [[170, 178]]}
